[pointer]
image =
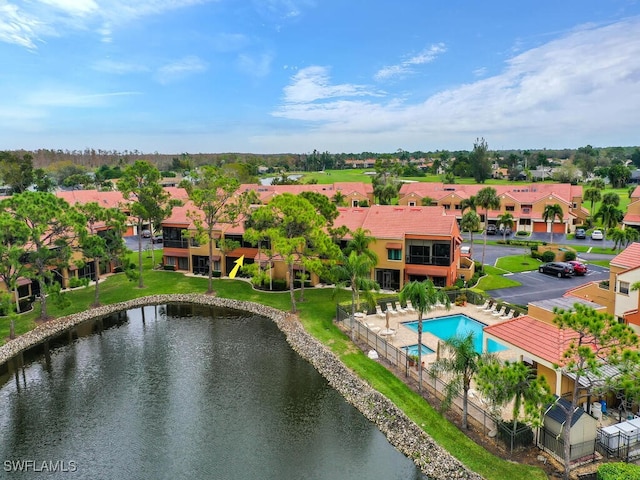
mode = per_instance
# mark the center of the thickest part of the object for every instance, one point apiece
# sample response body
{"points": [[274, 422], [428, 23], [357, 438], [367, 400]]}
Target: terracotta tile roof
{"points": [[540, 339], [106, 199], [631, 219], [636, 192], [629, 257], [395, 222]]}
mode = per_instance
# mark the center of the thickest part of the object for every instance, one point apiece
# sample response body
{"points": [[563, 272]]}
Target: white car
{"points": [[597, 235]]}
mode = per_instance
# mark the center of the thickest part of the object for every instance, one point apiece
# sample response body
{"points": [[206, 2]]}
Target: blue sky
{"points": [[276, 76]]}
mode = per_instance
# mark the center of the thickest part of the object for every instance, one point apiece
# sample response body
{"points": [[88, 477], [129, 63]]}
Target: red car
{"points": [[579, 268]]}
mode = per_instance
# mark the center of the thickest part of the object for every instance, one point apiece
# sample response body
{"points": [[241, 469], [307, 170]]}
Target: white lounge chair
{"points": [[410, 307], [484, 305], [490, 307], [494, 308], [439, 304], [509, 315], [390, 309], [399, 308], [500, 312], [379, 311]]}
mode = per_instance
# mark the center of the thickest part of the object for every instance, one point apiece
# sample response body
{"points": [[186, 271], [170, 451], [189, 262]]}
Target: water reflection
{"points": [[193, 392]]}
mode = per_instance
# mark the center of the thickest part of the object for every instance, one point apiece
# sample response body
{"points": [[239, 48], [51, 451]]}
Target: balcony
{"points": [[442, 261], [183, 243]]}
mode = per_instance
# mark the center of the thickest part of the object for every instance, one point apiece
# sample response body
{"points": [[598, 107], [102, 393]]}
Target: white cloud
{"points": [[312, 83], [71, 99], [405, 67], [29, 23], [17, 27], [579, 89], [257, 66], [180, 69], [118, 68]]}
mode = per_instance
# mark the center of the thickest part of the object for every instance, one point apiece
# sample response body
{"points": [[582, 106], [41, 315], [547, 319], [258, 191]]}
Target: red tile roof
{"points": [[631, 219], [629, 257], [540, 339], [395, 222]]}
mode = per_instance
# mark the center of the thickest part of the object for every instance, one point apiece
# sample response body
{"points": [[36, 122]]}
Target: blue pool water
{"points": [[413, 349], [451, 325]]}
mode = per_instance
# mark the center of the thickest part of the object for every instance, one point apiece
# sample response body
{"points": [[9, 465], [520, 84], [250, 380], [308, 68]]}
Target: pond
{"points": [[177, 391]]}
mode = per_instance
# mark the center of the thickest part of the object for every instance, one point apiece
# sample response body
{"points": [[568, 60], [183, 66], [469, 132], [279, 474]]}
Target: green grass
{"points": [[494, 282], [316, 314], [518, 263]]}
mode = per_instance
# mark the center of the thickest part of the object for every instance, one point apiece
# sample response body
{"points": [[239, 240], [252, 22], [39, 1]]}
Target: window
{"points": [[456, 206], [525, 221], [624, 288], [354, 203], [394, 254], [510, 208], [412, 204], [447, 206]]}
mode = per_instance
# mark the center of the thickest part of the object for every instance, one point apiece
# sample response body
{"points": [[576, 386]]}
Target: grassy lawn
{"points": [[518, 263], [316, 313], [493, 282]]}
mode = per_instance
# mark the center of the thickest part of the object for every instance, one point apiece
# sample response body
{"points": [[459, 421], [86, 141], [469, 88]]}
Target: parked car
{"points": [[505, 231], [157, 239], [146, 234], [492, 230], [580, 234], [559, 269], [597, 235], [579, 268]]}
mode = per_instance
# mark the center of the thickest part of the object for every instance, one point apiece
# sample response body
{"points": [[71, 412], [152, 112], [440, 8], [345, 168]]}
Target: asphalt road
{"points": [[538, 286]]}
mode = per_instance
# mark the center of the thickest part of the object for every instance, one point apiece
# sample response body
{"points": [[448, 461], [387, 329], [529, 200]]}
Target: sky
{"points": [[338, 76]]}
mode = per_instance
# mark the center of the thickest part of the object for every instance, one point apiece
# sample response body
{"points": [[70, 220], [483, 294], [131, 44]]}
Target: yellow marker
{"points": [[238, 263]]}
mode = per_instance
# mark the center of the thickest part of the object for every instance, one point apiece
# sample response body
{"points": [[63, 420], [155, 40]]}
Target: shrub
{"points": [[522, 233], [169, 267], [618, 471], [75, 282], [548, 256], [279, 284], [569, 256]]}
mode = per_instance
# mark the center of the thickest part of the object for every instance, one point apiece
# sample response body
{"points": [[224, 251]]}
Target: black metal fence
{"points": [[550, 442]]}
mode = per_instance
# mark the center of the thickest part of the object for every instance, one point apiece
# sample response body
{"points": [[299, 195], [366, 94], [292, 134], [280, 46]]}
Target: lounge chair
{"points": [[495, 308], [410, 307], [509, 315], [379, 311], [500, 312], [399, 308], [390, 309], [484, 305], [439, 304], [490, 307]]}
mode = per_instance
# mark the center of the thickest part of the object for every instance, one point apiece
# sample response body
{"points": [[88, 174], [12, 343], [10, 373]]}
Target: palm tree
{"points": [[460, 361], [611, 198], [592, 195], [507, 221], [339, 199], [619, 238], [631, 235], [359, 243], [426, 201], [609, 215], [597, 183], [423, 296], [355, 272], [470, 222], [550, 213], [470, 202], [488, 199]]}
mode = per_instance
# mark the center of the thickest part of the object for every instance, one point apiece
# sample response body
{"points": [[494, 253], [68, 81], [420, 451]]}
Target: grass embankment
{"points": [[316, 313]]}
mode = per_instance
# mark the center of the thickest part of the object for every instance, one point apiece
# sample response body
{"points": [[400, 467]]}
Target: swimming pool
{"points": [[413, 350], [451, 325]]}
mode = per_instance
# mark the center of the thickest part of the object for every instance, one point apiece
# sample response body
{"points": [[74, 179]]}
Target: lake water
{"points": [[188, 393]]}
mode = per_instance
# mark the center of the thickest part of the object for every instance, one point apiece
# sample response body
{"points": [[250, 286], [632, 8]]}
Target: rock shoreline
{"points": [[401, 432]]}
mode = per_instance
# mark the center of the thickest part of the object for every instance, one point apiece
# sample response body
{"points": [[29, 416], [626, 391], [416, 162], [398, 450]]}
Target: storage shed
{"points": [[583, 431]]}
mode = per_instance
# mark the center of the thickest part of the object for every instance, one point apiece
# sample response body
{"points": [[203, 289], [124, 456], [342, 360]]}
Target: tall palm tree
{"points": [[470, 202], [470, 222], [423, 296], [550, 213], [488, 199], [460, 361], [609, 215], [592, 195], [611, 198], [631, 235], [359, 243], [355, 272], [619, 238], [507, 221]]}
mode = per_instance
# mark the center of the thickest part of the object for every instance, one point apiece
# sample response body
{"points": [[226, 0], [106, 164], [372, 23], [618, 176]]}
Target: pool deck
{"points": [[404, 336]]}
